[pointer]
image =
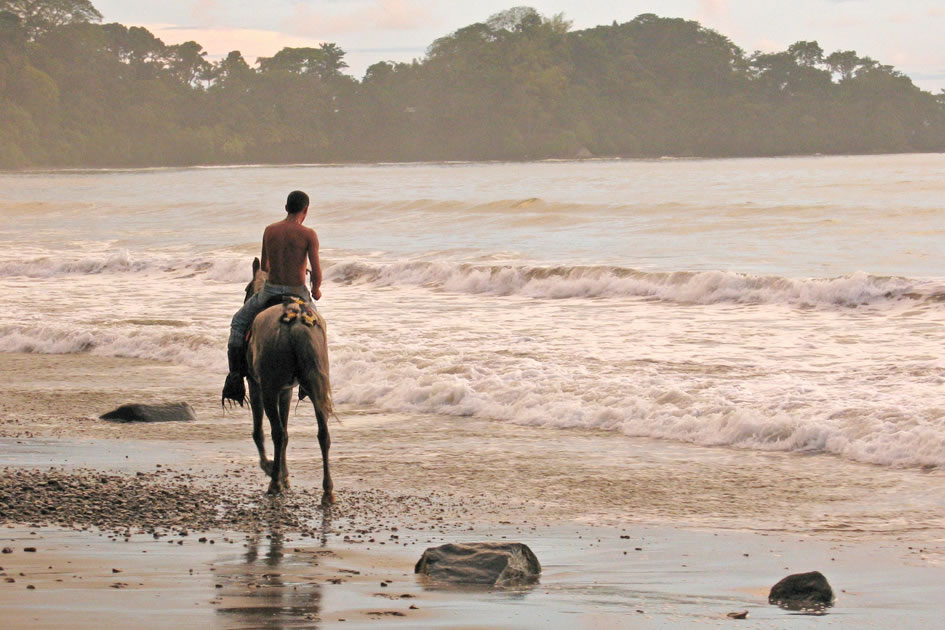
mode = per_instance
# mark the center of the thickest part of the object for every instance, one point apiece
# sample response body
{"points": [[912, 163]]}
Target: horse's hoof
{"points": [[266, 467], [328, 498], [278, 486]]}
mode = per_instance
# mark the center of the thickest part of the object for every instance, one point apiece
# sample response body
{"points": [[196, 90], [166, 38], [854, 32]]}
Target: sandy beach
{"points": [[167, 525]]}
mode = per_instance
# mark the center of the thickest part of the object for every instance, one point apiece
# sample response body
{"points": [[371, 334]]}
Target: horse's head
{"points": [[259, 279]]}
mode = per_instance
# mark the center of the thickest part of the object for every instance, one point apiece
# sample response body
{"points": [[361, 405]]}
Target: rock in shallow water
{"points": [[167, 412], [802, 591], [499, 564]]}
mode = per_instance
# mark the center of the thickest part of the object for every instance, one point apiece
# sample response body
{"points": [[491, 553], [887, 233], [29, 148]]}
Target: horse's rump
{"points": [[287, 346]]}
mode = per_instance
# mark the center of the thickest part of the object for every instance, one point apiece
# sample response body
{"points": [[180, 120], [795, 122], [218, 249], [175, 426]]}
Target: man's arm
{"points": [[264, 255], [316, 266]]}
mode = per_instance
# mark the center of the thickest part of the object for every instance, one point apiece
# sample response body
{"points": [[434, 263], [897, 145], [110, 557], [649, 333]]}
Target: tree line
{"points": [[78, 93]]}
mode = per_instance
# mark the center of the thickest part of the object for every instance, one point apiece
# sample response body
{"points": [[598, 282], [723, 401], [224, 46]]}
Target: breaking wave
{"points": [[166, 341], [658, 408], [220, 268], [531, 281], [692, 287]]}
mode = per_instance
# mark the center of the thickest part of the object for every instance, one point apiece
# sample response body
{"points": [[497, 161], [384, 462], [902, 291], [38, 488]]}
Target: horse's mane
{"points": [[259, 280]]}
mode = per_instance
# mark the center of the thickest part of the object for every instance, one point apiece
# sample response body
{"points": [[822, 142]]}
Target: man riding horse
{"points": [[286, 248]]}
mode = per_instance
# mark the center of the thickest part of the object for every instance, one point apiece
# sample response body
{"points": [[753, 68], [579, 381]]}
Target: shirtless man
{"points": [[286, 248]]}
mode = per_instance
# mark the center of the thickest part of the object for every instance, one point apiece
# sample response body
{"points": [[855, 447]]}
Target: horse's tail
{"points": [[310, 349]]}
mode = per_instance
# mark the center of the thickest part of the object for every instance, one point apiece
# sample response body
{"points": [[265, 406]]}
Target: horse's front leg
{"points": [[324, 441], [256, 405]]}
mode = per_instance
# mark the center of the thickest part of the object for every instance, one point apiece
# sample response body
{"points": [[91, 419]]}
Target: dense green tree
{"points": [[40, 16], [843, 63], [514, 20], [517, 86], [324, 62], [143, 53], [231, 71], [808, 54], [188, 63]]}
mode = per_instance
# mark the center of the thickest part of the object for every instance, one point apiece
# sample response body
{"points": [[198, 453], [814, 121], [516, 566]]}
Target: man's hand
{"points": [[316, 294]]}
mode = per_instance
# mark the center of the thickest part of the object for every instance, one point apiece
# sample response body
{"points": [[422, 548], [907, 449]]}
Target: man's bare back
{"points": [[287, 247]]}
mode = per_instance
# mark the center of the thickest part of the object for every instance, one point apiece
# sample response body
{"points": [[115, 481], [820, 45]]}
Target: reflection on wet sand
{"points": [[269, 588]]}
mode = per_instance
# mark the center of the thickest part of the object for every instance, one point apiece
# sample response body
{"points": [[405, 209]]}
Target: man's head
{"points": [[296, 202]]}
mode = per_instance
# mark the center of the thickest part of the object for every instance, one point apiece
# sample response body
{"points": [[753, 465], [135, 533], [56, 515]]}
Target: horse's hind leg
{"points": [[324, 441], [255, 403], [285, 400], [271, 403]]}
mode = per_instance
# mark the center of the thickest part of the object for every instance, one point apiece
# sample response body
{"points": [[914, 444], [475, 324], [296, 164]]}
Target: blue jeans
{"points": [[255, 305]]}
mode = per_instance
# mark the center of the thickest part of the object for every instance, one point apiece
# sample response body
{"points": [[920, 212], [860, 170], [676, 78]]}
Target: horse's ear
{"points": [[255, 266]]}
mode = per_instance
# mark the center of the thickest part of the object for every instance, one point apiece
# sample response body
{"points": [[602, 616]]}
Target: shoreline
{"points": [[49, 418], [596, 158], [684, 534]]}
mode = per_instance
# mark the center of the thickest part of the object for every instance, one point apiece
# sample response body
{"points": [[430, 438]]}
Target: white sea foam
{"points": [[54, 264], [160, 343], [216, 266], [562, 282], [654, 406], [397, 374], [708, 287]]}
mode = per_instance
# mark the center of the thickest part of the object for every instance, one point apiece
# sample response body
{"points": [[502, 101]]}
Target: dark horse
{"points": [[285, 348]]}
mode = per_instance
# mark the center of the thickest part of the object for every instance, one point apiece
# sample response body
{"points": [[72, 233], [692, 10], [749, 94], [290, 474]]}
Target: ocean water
{"points": [[790, 304]]}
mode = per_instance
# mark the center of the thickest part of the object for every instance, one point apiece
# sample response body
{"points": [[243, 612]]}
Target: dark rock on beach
{"points": [[499, 564], [167, 412], [802, 591]]}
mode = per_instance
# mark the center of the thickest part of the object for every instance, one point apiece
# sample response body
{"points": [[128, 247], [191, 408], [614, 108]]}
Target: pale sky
{"points": [[907, 34]]}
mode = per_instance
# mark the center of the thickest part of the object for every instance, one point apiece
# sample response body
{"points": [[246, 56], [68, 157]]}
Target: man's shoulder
{"points": [[281, 229], [307, 231]]}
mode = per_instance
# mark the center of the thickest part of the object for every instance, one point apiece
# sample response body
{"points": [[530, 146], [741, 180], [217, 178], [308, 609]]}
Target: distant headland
{"points": [[519, 86]]}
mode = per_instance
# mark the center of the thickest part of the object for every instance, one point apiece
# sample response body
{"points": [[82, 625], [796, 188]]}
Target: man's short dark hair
{"points": [[296, 202]]}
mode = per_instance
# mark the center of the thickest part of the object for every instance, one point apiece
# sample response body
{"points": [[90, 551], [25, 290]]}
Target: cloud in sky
{"points": [[384, 15], [713, 9], [206, 12], [837, 23], [252, 43], [767, 46], [902, 17]]}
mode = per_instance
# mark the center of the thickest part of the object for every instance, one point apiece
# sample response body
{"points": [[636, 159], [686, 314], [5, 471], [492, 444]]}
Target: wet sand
{"points": [[167, 525]]}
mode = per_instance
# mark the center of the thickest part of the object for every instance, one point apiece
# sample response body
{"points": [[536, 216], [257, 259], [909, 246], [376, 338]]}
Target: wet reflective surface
{"points": [[268, 588]]}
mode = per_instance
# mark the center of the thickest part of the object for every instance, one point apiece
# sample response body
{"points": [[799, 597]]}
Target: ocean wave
{"points": [[168, 342], [651, 406], [219, 268], [786, 415], [690, 287], [51, 265], [502, 280]]}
